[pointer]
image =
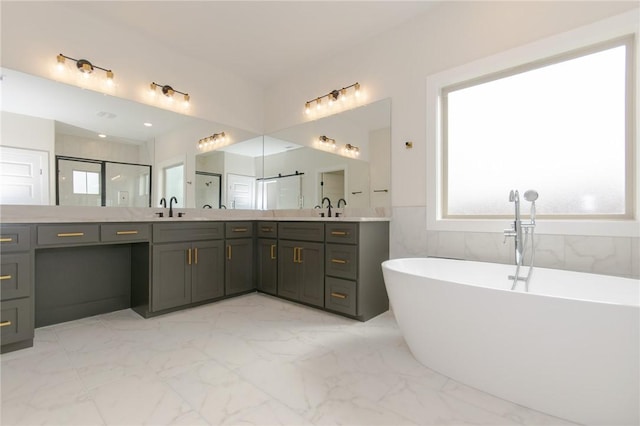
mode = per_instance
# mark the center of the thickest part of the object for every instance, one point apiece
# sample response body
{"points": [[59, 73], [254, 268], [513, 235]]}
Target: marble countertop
{"points": [[70, 214]]}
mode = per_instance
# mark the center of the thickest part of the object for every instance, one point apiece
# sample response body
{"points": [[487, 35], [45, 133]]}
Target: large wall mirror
{"points": [[62, 144], [345, 156], [46, 123]]}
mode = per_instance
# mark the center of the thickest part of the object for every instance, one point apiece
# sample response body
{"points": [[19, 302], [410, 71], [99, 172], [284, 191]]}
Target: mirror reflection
{"points": [[345, 157], [154, 153]]}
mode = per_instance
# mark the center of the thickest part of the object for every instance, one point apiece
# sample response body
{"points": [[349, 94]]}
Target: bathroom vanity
{"points": [[56, 272]]}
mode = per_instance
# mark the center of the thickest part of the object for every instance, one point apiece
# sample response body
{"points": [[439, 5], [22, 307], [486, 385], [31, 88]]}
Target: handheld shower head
{"points": [[513, 195], [531, 195]]}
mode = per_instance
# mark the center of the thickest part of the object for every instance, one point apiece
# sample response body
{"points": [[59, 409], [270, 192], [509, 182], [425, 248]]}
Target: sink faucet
{"points": [[171, 205], [328, 207], [163, 202], [344, 202], [206, 206]]}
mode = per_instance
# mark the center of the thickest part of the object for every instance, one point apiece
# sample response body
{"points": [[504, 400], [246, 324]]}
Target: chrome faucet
{"points": [[171, 205], [516, 231]]}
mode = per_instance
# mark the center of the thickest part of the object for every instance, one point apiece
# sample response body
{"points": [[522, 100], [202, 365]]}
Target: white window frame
{"points": [[599, 32]]}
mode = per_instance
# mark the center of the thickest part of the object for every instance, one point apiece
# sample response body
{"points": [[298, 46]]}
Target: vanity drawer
{"points": [[15, 276], [238, 229], [15, 238], [341, 261], [15, 321], [344, 233], [114, 232], [340, 296], [68, 234], [267, 229], [304, 231], [187, 231]]}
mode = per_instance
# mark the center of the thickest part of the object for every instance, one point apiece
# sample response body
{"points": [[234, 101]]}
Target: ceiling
{"points": [[262, 41]]}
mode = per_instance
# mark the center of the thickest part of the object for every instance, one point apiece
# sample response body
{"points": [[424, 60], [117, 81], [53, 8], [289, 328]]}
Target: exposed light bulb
{"points": [[307, 108], [187, 98], [357, 86], [110, 78], [319, 104], [60, 65]]}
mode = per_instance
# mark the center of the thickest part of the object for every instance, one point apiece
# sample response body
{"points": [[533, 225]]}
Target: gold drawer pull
{"points": [[71, 234], [273, 251], [229, 252], [239, 229], [339, 295], [5, 323], [340, 233], [188, 256], [267, 229], [340, 261], [195, 255], [5, 277], [126, 232], [6, 240]]}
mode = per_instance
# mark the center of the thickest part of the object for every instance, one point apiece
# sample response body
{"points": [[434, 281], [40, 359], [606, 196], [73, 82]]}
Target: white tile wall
{"points": [[618, 256]]}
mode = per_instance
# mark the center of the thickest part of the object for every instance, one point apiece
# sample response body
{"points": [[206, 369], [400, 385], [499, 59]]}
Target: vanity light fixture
{"points": [[84, 66], [327, 141], [352, 149], [204, 143], [332, 97], [169, 91]]}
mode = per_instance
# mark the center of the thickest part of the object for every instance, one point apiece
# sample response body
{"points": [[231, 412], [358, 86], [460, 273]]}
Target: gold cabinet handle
{"points": [[340, 233], [189, 256], [5, 277], [299, 254], [239, 230], [267, 229], [340, 261], [296, 251], [5, 323], [6, 240], [195, 255], [338, 295], [126, 232], [229, 252], [71, 234], [273, 251]]}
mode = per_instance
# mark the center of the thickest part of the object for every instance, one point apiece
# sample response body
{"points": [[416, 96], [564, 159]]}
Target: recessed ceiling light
{"points": [[102, 135], [148, 124]]}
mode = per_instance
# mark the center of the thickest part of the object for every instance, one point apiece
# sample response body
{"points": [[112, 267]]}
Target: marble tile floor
{"points": [[249, 360]]}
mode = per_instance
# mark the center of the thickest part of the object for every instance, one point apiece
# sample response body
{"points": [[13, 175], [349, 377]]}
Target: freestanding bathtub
{"points": [[569, 347]]}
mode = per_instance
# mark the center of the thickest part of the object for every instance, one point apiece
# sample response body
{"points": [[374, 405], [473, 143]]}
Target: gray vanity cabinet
{"points": [[301, 262], [186, 272], [354, 284], [239, 257], [16, 284], [267, 257]]}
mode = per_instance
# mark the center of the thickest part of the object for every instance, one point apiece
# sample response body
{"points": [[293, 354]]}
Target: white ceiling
{"points": [[262, 41]]}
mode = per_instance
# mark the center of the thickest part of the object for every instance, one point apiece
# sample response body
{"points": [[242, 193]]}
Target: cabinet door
{"points": [[267, 264], [171, 276], [311, 273], [239, 265], [287, 269], [207, 280]]}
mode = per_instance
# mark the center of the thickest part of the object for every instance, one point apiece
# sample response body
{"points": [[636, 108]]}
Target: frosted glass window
{"points": [[86, 182], [559, 128]]}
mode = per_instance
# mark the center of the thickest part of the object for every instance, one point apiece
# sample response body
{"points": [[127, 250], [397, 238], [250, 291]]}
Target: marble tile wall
{"points": [[618, 256]]}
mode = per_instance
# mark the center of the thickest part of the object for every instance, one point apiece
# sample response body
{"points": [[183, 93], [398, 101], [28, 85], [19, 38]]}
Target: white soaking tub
{"points": [[569, 347]]}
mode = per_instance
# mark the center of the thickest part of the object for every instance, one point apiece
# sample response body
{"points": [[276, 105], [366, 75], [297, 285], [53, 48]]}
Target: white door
{"points": [[24, 176], [240, 191]]}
